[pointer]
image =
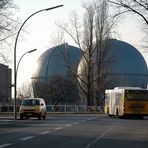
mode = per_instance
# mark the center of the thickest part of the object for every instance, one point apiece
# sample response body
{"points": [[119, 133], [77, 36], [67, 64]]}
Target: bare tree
{"points": [[91, 39], [25, 91], [7, 28], [60, 90], [57, 90], [58, 38], [136, 7]]}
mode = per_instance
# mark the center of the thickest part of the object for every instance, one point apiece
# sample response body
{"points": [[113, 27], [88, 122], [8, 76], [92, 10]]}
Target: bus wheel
{"points": [[108, 112], [117, 113], [110, 115], [140, 117]]}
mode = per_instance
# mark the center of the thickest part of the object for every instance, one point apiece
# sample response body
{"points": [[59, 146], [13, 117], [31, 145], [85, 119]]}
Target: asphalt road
{"points": [[74, 131]]}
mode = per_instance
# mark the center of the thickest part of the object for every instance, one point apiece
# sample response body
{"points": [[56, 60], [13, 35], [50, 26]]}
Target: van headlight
{"points": [[21, 110]]}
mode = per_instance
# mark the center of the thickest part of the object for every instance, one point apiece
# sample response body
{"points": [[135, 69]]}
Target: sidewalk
{"points": [[7, 116]]}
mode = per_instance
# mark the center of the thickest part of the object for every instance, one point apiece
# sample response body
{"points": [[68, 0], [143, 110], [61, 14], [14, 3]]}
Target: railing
{"points": [[59, 108], [66, 108]]}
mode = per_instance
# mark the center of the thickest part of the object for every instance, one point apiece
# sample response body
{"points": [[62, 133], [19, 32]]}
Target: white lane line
{"points": [[58, 128], [46, 132], [26, 138], [67, 125], [6, 120], [100, 136], [88, 119], [5, 145], [75, 123]]}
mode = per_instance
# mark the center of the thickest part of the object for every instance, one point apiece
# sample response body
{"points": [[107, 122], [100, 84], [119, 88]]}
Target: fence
{"points": [[59, 108]]}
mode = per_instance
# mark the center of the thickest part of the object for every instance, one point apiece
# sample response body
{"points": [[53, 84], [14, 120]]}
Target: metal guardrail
{"points": [[59, 108]]}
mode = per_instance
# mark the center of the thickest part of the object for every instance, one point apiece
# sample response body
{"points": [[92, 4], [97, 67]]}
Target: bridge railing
{"points": [[59, 108]]}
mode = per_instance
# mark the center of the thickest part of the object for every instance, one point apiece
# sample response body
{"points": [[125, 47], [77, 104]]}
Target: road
{"points": [[74, 131]]}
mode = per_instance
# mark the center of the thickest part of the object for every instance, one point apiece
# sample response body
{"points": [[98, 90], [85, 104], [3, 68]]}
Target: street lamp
{"points": [[15, 70], [30, 51]]}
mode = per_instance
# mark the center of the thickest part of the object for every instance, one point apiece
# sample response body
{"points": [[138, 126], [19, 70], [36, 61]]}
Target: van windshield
{"points": [[30, 102]]}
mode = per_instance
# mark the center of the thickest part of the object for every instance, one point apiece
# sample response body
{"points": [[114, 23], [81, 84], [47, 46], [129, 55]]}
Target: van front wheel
{"points": [[39, 116], [21, 117], [44, 117]]}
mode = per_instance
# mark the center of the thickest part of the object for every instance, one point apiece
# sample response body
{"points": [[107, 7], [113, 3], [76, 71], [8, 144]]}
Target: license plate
{"points": [[29, 114]]}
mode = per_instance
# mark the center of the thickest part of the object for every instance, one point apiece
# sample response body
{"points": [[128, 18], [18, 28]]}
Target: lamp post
{"points": [[30, 51], [15, 70]]}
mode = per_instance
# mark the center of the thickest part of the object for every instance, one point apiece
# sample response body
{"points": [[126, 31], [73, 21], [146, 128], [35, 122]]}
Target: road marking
{"points": [[100, 136], [90, 118], [46, 132], [5, 145], [67, 125], [58, 128], [75, 123], [26, 138], [6, 120], [55, 129]]}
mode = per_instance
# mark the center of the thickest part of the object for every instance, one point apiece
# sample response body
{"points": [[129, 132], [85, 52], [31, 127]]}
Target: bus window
{"points": [[137, 95]]}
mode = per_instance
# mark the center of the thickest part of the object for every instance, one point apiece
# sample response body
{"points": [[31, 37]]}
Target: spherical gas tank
{"points": [[55, 61], [127, 65], [53, 75]]}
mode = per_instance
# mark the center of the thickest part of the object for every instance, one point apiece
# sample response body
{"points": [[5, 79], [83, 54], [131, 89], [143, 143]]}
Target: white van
{"points": [[32, 107]]}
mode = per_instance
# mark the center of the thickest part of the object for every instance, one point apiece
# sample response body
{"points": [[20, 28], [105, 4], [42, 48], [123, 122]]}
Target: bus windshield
{"points": [[137, 95]]}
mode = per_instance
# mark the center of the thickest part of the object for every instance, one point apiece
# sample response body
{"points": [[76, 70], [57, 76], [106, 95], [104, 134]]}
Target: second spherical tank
{"points": [[126, 65], [129, 68]]}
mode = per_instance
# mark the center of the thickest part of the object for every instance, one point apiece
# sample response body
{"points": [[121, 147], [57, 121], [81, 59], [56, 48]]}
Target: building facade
{"points": [[5, 85]]}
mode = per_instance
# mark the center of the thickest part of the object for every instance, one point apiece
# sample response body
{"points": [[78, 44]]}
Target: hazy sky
{"points": [[41, 27]]}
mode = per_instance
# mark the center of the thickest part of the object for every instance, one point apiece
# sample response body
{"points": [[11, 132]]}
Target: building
{"points": [[5, 85]]}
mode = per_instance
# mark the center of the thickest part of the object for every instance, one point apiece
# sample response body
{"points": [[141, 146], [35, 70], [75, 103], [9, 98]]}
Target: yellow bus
{"points": [[126, 102]]}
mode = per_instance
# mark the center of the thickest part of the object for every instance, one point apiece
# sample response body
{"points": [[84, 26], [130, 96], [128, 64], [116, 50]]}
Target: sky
{"points": [[39, 29]]}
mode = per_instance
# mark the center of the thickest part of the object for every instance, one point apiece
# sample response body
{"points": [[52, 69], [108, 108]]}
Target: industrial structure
{"points": [[54, 76], [5, 85], [129, 68]]}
